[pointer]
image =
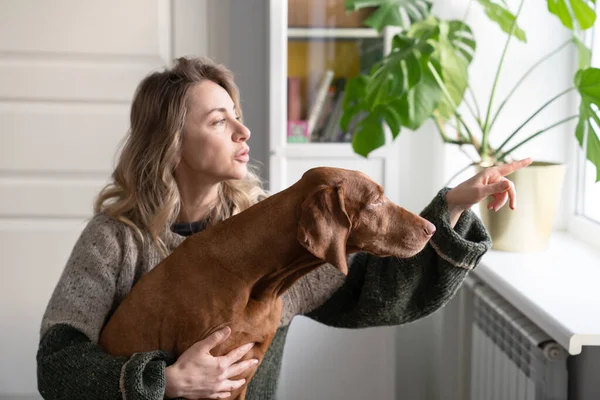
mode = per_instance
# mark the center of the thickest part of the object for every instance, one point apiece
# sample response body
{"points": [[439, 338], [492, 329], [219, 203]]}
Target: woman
{"points": [[184, 167]]}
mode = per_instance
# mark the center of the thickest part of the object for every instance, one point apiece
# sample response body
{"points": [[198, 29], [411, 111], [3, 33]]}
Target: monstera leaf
{"points": [[368, 134], [404, 88], [401, 13], [587, 82], [582, 11], [454, 52], [354, 100], [397, 73], [377, 95], [454, 47], [419, 103], [499, 14]]}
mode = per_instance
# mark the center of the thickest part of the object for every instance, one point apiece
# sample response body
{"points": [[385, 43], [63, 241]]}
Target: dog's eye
{"points": [[378, 202]]}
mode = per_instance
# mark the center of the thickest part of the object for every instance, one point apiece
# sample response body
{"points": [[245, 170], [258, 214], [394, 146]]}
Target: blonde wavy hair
{"points": [[143, 192]]}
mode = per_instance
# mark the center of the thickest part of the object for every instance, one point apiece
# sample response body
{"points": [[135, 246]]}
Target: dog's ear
{"points": [[324, 225]]}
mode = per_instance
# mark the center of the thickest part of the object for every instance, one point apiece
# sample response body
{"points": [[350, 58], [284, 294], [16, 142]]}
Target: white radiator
{"points": [[511, 358]]}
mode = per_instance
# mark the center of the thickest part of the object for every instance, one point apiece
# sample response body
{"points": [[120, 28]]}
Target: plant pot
{"points": [[529, 226]]}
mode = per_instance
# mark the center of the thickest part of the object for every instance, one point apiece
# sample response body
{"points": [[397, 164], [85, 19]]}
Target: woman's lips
{"points": [[243, 156]]}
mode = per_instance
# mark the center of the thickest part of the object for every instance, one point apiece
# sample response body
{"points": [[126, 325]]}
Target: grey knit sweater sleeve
{"points": [[390, 291], [70, 363]]}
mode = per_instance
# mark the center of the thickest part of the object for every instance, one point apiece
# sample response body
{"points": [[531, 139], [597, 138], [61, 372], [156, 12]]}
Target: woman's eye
{"points": [[219, 122]]}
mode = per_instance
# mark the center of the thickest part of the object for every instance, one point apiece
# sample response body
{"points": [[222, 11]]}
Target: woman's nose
{"points": [[241, 133]]}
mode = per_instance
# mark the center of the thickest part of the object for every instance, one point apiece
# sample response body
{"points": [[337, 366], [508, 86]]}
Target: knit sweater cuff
{"points": [[463, 246], [143, 376]]}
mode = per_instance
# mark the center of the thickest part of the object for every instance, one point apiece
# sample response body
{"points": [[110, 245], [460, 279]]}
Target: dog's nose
{"points": [[429, 228]]}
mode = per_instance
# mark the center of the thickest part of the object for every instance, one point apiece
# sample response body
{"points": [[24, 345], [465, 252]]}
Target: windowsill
{"points": [[558, 289]]}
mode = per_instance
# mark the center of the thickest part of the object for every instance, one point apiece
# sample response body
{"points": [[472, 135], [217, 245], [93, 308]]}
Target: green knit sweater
{"points": [[107, 260]]}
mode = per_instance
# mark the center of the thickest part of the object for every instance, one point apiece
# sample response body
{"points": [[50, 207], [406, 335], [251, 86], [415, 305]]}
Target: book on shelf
{"points": [[325, 113], [297, 128], [317, 108], [294, 103], [297, 131]]}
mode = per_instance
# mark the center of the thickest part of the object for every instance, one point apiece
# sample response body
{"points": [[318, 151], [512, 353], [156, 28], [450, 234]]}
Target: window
{"points": [[586, 222], [589, 189]]}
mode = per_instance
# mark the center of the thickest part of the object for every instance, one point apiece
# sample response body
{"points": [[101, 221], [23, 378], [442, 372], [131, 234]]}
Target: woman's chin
{"points": [[240, 172]]}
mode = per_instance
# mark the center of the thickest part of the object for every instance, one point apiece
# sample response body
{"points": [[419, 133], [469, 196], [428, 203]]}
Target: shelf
{"points": [[317, 150], [325, 150], [342, 33]]}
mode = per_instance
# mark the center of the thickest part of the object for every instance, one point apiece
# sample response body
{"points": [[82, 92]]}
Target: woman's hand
{"points": [[489, 182], [197, 374]]}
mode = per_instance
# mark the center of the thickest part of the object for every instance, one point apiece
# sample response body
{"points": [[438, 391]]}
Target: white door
{"points": [[68, 70]]}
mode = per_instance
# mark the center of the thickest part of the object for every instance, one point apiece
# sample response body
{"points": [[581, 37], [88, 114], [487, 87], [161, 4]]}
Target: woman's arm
{"points": [[70, 363], [70, 366]]}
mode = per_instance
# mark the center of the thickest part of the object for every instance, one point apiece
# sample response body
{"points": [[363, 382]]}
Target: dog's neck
{"points": [[271, 227]]}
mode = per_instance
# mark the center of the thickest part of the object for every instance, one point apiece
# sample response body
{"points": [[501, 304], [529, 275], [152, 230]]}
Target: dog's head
{"points": [[346, 211]]}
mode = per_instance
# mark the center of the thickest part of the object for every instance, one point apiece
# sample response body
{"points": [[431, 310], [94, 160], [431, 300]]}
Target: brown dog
{"points": [[233, 273]]}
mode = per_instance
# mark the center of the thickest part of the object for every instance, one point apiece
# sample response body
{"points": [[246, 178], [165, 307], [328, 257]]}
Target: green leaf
{"points": [[503, 17], [451, 64], [461, 37], [355, 89], [588, 85], [398, 72], [392, 118], [582, 11], [401, 13], [377, 91], [584, 54], [369, 135], [349, 113], [353, 102], [419, 103]]}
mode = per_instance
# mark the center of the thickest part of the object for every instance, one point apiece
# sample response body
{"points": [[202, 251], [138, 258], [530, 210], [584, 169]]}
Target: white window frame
{"points": [[579, 225]]}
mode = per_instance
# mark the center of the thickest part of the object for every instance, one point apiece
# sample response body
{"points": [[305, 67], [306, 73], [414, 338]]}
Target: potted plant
{"points": [[425, 76]]}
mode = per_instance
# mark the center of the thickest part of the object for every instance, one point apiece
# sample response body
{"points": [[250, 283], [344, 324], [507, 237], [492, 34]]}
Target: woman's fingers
{"points": [[507, 169], [501, 197], [222, 395], [238, 368], [492, 189], [214, 339], [499, 200], [512, 193], [234, 355], [229, 386]]}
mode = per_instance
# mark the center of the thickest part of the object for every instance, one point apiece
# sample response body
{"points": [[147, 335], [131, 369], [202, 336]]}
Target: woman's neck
{"points": [[196, 201]]}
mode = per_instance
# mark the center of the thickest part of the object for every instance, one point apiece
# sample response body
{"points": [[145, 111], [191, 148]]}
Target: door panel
{"points": [[68, 71]]}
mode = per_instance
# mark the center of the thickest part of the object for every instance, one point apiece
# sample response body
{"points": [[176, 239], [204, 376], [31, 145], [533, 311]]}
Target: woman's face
{"points": [[214, 140]]}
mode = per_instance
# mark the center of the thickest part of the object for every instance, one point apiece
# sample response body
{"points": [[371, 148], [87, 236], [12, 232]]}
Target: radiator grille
{"points": [[511, 358]]}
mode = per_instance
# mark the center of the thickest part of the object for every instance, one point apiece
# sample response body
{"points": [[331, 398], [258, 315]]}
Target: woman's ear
{"points": [[324, 225]]}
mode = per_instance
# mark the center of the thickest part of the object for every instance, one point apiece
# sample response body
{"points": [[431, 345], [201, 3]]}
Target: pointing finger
{"points": [[506, 169]]}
